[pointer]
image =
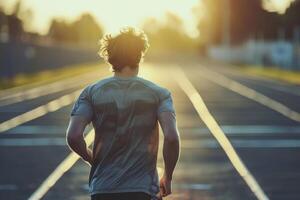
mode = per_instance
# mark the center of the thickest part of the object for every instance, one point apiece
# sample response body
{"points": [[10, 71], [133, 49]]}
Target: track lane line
{"points": [[63, 167], [39, 111], [217, 132], [249, 93], [278, 87], [7, 98], [22, 88], [59, 171], [256, 144]]}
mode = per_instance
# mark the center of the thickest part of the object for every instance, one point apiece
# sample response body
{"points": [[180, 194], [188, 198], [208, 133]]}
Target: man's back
{"points": [[124, 113]]}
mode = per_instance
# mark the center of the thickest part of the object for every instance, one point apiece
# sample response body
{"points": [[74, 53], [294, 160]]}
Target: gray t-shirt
{"points": [[124, 113]]}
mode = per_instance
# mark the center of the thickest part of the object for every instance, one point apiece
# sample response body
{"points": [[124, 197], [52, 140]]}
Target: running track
{"points": [[258, 116]]}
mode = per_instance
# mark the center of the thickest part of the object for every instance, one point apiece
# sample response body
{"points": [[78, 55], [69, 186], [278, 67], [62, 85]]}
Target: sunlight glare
{"points": [[279, 6], [112, 15]]}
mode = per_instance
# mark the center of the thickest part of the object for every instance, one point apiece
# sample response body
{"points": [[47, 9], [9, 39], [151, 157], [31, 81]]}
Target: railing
{"points": [[16, 57]]}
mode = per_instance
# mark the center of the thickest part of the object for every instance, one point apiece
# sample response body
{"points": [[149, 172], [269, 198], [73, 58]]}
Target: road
{"points": [[258, 116]]}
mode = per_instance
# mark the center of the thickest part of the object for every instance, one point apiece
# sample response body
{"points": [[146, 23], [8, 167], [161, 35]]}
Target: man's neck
{"points": [[127, 72]]}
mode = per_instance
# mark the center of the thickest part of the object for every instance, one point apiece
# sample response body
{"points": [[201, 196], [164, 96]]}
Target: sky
{"points": [[111, 14], [114, 14], [277, 5]]}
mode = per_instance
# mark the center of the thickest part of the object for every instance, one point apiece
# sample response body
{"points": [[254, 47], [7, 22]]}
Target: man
{"points": [[125, 110]]}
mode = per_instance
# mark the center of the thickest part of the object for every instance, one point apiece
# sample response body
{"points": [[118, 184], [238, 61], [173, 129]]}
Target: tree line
{"points": [[84, 30], [247, 19]]}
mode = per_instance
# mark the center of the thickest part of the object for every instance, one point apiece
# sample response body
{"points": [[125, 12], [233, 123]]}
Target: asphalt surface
{"points": [[267, 142]]}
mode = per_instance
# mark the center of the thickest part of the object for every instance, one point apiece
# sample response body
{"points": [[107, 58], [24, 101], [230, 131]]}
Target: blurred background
{"points": [[241, 56], [256, 32]]}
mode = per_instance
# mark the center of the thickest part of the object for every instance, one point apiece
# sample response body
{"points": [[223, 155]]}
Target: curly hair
{"points": [[127, 48]]}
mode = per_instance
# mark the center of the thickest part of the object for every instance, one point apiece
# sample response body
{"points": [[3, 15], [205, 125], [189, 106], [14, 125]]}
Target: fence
{"points": [[282, 54], [18, 58]]}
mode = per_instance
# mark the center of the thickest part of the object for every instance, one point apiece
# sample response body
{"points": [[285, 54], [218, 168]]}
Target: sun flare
{"points": [[111, 14]]}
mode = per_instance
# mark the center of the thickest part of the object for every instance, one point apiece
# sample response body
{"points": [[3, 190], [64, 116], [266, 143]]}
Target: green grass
{"points": [[48, 76], [273, 73]]}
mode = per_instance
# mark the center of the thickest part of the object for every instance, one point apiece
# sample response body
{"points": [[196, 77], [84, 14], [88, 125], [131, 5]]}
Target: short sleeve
{"points": [[82, 106], [166, 103]]}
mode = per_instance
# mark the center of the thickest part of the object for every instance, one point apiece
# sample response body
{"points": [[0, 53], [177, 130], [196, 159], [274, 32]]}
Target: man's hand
{"points": [[165, 186]]}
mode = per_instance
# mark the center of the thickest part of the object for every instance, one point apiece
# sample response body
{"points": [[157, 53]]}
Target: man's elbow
{"points": [[73, 138], [172, 138]]}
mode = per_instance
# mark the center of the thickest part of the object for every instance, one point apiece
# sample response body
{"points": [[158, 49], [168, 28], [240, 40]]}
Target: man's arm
{"points": [[171, 148], [75, 138]]}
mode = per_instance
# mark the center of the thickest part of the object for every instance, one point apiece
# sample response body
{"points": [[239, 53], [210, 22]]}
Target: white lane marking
{"points": [[203, 143], [242, 143], [217, 132], [249, 93], [37, 129], [195, 186], [8, 187], [59, 171], [279, 86], [63, 167], [39, 111], [248, 130], [23, 142], [9, 98]]}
